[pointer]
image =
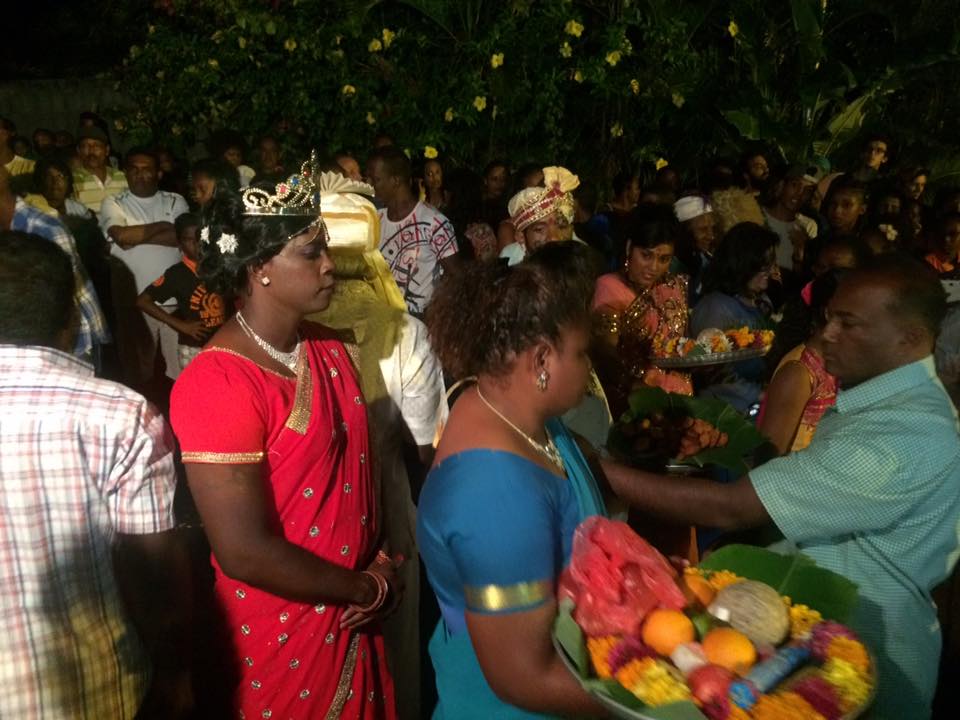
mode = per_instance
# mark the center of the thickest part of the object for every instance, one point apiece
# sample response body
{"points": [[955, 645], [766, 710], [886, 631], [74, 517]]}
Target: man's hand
{"points": [[194, 329], [127, 240]]}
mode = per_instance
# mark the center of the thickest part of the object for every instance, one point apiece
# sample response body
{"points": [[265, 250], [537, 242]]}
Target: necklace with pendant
{"points": [[287, 359], [549, 450]]}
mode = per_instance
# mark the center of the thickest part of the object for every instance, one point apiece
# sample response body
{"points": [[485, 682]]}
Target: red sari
{"points": [[309, 436]]}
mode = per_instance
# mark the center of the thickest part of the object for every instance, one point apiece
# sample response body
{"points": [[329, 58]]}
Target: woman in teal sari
{"points": [[506, 491]]}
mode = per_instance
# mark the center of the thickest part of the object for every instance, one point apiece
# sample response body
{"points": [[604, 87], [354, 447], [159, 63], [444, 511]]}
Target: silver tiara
{"points": [[298, 195]]}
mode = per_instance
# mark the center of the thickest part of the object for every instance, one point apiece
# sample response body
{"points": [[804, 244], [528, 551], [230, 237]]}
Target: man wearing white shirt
{"points": [[139, 225]]}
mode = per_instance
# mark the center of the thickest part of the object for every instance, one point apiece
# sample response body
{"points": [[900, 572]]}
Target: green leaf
{"points": [[570, 637], [747, 124], [742, 436], [270, 28]]}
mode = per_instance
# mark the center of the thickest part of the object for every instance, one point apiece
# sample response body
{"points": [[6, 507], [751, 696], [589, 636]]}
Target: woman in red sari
{"points": [[273, 430]]}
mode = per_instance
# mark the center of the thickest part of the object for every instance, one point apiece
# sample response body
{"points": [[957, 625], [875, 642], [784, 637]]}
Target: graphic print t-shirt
{"points": [[194, 301], [413, 248]]}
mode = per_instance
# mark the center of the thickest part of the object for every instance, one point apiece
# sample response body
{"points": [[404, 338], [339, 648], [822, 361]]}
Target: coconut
{"points": [[755, 609]]}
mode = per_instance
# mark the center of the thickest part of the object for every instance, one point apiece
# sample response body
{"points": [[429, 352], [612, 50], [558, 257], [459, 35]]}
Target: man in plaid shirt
{"points": [[15, 214], [90, 573]]}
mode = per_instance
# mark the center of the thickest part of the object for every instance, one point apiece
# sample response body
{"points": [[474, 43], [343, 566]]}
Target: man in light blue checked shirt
{"points": [[876, 495], [15, 214]]}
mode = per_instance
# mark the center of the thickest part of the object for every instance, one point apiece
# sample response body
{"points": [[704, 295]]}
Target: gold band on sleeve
{"points": [[214, 458], [492, 598]]}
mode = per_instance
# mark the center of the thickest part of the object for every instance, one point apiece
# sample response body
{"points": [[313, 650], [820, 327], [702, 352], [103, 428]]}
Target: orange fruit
{"points": [[730, 649], [698, 588], [663, 630]]}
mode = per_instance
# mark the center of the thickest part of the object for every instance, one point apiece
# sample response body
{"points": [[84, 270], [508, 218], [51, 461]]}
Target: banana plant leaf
{"points": [[743, 436]]}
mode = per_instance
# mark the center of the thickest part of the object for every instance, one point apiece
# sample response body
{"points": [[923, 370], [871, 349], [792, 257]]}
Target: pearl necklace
{"points": [[548, 450], [287, 359]]}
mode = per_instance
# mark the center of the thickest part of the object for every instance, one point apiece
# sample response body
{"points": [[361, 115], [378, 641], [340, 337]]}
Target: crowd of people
{"points": [[304, 340]]}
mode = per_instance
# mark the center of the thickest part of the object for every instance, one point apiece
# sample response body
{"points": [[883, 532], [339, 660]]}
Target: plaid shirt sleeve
{"points": [[93, 325], [141, 485]]}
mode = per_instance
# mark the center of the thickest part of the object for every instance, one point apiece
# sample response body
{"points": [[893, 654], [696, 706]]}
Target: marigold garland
{"points": [[852, 686], [599, 649], [851, 651], [784, 706], [802, 621], [723, 578], [653, 682]]}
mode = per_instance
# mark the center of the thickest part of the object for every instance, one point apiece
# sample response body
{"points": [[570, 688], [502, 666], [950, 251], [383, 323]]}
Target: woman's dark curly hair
{"points": [[744, 251], [56, 162], [649, 225], [259, 238], [483, 315]]}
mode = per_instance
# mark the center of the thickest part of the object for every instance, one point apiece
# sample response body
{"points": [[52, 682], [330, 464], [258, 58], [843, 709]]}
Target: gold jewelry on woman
{"points": [[549, 450], [542, 379]]}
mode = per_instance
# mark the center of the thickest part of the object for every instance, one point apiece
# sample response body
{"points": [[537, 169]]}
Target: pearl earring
{"points": [[264, 281]]}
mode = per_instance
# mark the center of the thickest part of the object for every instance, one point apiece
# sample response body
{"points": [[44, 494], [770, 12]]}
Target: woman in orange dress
{"points": [[640, 308], [273, 429]]}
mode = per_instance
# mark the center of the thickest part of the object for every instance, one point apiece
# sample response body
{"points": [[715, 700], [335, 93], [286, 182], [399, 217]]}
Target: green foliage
{"points": [[591, 83]]}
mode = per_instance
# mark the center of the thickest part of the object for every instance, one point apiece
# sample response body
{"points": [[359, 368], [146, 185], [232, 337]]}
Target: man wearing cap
{"points": [[699, 224], [542, 214], [94, 179], [783, 215]]}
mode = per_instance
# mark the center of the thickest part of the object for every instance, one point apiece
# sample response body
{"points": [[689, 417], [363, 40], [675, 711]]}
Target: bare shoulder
{"points": [[472, 426]]}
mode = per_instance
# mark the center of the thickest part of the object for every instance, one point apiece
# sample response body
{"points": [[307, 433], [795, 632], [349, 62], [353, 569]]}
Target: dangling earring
{"points": [[626, 266], [542, 379], [264, 281]]}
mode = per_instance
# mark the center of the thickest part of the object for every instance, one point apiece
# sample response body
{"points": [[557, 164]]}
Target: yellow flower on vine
{"points": [[733, 29], [213, 63], [565, 50], [448, 115], [430, 152], [242, 42], [348, 90], [660, 164], [375, 46], [614, 57], [151, 29], [290, 45], [371, 120], [496, 60], [480, 103], [573, 28], [388, 36], [578, 76], [678, 99], [616, 130], [635, 86]]}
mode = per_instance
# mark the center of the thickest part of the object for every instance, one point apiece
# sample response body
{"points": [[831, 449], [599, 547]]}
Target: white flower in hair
{"points": [[205, 234], [227, 243]]}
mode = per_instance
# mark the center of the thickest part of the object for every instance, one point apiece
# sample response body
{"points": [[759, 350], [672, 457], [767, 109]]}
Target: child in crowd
{"points": [[199, 312]]}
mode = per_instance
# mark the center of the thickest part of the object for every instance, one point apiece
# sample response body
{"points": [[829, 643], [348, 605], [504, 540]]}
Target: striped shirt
{"points": [[93, 326], [91, 190], [876, 498], [82, 460]]}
